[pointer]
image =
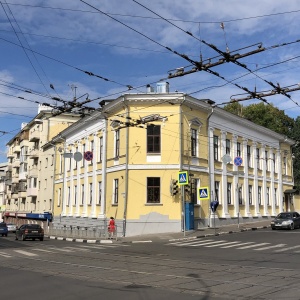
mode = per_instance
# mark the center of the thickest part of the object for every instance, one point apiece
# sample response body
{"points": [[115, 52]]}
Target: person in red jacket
{"points": [[111, 227]]}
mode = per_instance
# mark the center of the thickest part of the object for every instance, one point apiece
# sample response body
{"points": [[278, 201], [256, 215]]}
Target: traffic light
{"points": [[174, 187], [187, 188]]}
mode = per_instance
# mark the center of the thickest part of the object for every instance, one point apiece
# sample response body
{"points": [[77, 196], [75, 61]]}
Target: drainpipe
{"points": [[209, 162], [126, 172]]}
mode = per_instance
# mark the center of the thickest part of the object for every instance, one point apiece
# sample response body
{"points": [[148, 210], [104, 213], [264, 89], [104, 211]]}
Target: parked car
{"points": [[286, 220], [11, 227], [30, 231], [3, 229]]}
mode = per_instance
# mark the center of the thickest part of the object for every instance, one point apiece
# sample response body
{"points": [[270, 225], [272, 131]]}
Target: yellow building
{"points": [[123, 161]]}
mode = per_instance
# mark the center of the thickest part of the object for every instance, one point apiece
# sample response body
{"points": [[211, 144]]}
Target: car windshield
{"points": [[284, 216], [35, 226]]}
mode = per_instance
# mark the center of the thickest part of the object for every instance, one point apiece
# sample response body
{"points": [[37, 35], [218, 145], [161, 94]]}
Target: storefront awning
{"points": [[34, 216]]}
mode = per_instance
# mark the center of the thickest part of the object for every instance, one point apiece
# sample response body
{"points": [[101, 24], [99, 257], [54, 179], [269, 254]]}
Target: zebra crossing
{"points": [[50, 249], [225, 244]]}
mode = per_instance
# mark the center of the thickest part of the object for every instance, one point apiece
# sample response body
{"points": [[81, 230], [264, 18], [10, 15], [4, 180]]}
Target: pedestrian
{"points": [[111, 227]]}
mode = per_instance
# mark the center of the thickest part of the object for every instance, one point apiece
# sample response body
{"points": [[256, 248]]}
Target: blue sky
{"points": [[54, 42]]}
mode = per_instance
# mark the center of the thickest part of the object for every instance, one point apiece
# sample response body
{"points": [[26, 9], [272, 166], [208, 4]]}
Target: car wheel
{"points": [[292, 226], [23, 237], [33, 239], [6, 235], [41, 239]]}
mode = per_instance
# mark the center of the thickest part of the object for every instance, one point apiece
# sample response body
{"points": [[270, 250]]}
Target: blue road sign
{"points": [[203, 193], [238, 161], [183, 178]]}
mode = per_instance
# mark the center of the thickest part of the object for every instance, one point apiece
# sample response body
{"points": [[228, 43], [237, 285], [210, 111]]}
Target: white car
{"points": [[11, 227]]}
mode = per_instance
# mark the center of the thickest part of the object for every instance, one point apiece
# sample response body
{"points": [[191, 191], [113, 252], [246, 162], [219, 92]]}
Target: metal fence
{"points": [[80, 232]]}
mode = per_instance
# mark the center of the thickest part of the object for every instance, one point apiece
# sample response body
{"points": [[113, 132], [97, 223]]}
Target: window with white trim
{"points": [[116, 191], [100, 148], [227, 146], [153, 189], [117, 143], [250, 194], [59, 197], [91, 193], [75, 195], [193, 142], [238, 149], [92, 150], [249, 155], [153, 139], [82, 194], [259, 195], [240, 194], [217, 191], [99, 192], [229, 196], [216, 147], [69, 196]]}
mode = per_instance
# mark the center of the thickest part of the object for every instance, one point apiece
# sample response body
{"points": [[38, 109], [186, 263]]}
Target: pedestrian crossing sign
{"points": [[203, 193], [183, 178]]}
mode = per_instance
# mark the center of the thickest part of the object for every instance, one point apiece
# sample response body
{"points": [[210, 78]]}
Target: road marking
{"points": [[5, 254], [272, 246], [241, 244], [60, 249], [208, 243], [43, 250], [189, 242], [25, 253], [287, 249], [252, 246], [75, 248], [223, 244]]}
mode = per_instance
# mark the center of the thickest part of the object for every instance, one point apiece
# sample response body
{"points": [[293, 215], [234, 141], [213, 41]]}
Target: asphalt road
{"points": [[262, 264]]}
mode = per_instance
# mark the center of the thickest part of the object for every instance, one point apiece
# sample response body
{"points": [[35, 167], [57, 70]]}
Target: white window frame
{"points": [[99, 192], [115, 198], [229, 193]]}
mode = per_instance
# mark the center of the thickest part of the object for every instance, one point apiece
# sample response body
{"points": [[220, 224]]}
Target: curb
{"points": [[80, 240]]}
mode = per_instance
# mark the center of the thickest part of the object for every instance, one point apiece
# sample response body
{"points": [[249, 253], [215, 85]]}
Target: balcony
{"points": [[10, 154], [32, 192], [34, 135], [33, 171], [15, 179], [16, 163], [16, 149], [34, 153]]}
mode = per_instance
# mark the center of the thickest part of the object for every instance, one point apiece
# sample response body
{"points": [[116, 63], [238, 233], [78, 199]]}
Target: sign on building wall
{"points": [[203, 193]]}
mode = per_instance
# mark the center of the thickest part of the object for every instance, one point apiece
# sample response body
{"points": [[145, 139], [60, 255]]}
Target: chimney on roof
{"points": [[162, 87]]}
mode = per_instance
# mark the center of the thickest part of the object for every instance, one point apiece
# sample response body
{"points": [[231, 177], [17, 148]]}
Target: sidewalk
{"points": [[191, 234]]}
